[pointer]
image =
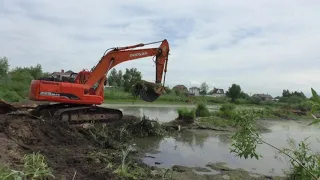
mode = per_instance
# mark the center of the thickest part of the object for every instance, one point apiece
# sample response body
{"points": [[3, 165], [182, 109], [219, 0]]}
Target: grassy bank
{"points": [[224, 119]]}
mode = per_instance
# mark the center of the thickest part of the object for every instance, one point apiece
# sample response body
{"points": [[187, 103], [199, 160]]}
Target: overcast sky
{"points": [[264, 46]]}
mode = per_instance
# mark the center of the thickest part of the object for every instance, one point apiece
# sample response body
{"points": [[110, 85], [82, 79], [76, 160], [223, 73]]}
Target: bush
{"points": [[10, 96], [242, 101], [186, 115], [226, 111], [254, 100], [227, 107], [309, 161], [202, 110], [302, 106], [218, 100]]}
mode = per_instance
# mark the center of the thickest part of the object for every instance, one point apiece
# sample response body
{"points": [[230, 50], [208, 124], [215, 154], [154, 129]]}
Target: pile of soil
{"points": [[66, 148]]}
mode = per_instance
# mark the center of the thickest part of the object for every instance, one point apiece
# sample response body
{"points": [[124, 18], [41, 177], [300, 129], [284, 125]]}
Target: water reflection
{"points": [[198, 148], [164, 113]]}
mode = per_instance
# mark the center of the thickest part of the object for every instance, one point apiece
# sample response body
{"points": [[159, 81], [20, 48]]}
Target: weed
{"points": [[149, 127], [202, 110], [226, 111], [186, 115], [123, 169], [35, 166], [305, 164], [8, 174]]}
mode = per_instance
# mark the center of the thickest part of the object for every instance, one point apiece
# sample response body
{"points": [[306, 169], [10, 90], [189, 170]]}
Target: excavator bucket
{"points": [[148, 91]]}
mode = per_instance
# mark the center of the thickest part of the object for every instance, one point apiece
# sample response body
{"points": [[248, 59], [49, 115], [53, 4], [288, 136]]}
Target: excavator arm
{"points": [[123, 54]]}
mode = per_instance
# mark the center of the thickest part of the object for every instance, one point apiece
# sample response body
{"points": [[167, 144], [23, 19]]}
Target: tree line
{"points": [[124, 80], [15, 82]]}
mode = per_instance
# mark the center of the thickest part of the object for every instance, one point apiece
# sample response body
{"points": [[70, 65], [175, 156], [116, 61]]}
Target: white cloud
{"points": [[265, 46]]}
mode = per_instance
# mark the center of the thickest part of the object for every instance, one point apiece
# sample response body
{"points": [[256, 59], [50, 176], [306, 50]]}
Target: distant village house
{"points": [[61, 75], [263, 97], [180, 87], [194, 91], [216, 92]]}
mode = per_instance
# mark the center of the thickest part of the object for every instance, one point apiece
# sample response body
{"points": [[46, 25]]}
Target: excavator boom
{"points": [[76, 99]]}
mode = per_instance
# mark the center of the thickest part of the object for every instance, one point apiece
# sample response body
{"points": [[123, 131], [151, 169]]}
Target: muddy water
{"points": [[163, 113], [200, 147]]}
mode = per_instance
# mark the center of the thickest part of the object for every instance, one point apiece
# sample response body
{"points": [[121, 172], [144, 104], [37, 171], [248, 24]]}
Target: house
{"points": [[180, 87], [60, 75], [263, 97], [217, 92], [195, 91]]}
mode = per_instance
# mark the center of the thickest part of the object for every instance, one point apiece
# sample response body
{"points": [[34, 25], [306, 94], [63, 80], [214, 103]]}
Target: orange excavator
{"points": [[75, 99]]}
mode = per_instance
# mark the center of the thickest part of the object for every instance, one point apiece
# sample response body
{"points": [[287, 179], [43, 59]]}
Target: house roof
{"points": [[194, 87], [180, 87], [218, 91], [61, 73], [264, 95]]}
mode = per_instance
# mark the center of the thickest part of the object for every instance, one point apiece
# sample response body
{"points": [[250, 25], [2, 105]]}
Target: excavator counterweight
{"points": [[76, 99]]}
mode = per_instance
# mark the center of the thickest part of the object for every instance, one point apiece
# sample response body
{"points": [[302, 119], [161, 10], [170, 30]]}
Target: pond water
{"points": [[163, 113], [200, 147]]}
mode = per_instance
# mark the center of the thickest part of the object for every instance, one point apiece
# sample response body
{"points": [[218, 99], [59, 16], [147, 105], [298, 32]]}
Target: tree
{"points": [[4, 68], [287, 93], [204, 88], [115, 78], [244, 95], [130, 77], [234, 92], [36, 72], [112, 78]]}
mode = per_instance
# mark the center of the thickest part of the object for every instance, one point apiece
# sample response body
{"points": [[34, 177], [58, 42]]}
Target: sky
{"points": [[264, 46]]}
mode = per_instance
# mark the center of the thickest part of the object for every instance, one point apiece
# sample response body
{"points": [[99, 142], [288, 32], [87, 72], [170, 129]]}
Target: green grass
{"points": [[202, 110], [186, 115], [214, 121], [34, 167]]}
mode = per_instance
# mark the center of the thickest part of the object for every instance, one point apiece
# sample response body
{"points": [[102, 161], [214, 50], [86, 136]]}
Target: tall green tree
{"points": [[115, 78], [204, 88], [234, 92], [130, 77], [4, 69]]}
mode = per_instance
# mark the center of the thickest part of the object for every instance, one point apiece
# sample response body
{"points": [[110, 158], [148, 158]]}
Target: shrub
{"points": [[302, 106], [218, 100], [270, 103], [242, 101], [227, 107], [309, 161], [202, 110], [226, 110], [186, 115], [10, 96], [254, 100]]}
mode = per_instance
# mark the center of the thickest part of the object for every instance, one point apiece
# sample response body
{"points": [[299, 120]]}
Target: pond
{"points": [[200, 147]]}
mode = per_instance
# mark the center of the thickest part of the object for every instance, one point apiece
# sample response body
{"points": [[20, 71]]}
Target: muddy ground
{"points": [[69, 150], [91, 152]]}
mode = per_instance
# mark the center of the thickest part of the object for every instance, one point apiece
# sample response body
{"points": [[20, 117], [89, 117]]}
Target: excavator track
{"points": [[78, 114]]}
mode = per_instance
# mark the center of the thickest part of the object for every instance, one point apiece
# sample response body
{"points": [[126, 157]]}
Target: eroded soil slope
{"points": [[68, 150]]}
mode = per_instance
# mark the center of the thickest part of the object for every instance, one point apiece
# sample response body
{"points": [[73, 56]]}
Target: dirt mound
{"points": [[66, 148]]}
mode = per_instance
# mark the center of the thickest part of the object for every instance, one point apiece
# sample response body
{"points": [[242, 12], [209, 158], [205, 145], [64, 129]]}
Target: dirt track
{"points": [[66, 148]]}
